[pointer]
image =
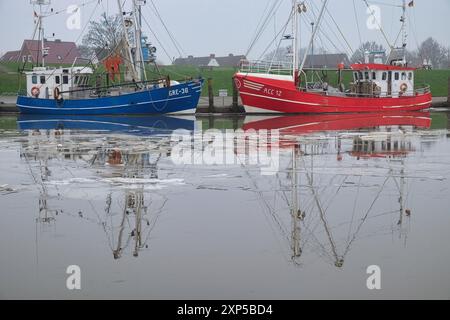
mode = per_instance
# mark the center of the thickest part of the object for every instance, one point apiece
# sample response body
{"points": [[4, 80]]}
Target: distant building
{"points": [[58, 52], [326, 60], [211, 61], [10, 56]]}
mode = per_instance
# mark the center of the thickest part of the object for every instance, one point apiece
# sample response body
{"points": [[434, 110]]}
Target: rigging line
{"points": [[386, 4], [319, 36], [276, 5], [379, 26], [366, 215], [79, 36], [263, 203], [357, 22], [346, 45], [322, 213], [65, 10], [319, 20], [354, 209], [156, 38], [263, 26], [258, 26], [279, 33], [175, 42]]}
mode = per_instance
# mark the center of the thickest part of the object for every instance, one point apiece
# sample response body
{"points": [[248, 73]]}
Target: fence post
{"points": [[210, 95], [235, 108]]}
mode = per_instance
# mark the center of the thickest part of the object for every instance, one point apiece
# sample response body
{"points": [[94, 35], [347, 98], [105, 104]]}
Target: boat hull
{"points": [[271, 95], [182, 98]]}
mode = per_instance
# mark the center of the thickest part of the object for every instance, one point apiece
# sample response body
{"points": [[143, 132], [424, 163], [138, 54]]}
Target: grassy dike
{"points": [[10, 79]]}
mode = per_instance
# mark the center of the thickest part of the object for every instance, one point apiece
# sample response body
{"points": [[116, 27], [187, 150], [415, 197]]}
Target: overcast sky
{"points": [[227, 26]]}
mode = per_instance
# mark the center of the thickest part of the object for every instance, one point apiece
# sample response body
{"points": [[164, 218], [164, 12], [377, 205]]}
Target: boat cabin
{"points": [[379, 80], [44, 82]]}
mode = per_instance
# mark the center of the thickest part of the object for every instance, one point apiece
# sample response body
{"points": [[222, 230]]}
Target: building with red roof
{"points": [[57, 52]]}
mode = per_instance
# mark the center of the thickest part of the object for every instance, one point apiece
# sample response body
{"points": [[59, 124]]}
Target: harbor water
{"points": [[296, 207]]}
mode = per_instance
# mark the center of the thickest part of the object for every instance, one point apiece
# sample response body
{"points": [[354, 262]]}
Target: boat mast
{"points": [[139, 56], [294, 39], [40, 17], [130, 58], [404, 32]]}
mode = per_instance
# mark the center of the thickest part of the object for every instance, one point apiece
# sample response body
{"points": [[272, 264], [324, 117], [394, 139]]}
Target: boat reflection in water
{"points": [[340, 173], [145, 125], [122, 153], [324, 161]]}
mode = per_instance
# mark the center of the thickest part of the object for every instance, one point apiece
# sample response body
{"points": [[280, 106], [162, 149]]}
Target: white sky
{"points": [[227, 26]]}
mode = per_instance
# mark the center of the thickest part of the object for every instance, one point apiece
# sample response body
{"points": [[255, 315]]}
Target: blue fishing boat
{"points": [[70, 91]]}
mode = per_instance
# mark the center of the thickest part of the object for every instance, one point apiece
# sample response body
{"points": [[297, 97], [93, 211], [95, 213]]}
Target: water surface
{"points": [[108, 195]]}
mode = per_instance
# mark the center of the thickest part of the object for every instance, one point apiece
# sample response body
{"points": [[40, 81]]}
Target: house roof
{"points": [[228, 61], [59, 51], [326, 60], [11, 56]]}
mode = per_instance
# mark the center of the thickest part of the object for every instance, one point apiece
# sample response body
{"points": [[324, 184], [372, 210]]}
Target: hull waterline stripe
{"points": [[316, 104], [98, 108]]}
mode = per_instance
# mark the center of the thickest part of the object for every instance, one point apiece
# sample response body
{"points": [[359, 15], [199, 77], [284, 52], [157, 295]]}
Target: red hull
{"points": [[266, 95]]}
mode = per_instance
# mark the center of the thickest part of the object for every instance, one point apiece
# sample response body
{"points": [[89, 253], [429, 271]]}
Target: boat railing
{"points": [[277, 68], [318, 87]]}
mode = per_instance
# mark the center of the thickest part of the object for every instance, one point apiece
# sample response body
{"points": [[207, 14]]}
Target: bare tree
{"points": [[358, 55], [103, 36], [430, 49]]}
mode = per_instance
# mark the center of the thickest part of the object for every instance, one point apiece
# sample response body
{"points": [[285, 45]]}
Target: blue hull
{"points": [[181, 98]]}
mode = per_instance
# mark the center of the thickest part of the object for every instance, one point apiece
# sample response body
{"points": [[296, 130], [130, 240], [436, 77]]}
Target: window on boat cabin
{"points": [[30, 59], [355, 76], [366, 74], [57, 80], [42, 79], [397, 76], [403, 76], [65, 79], [24, 58], [76, 79], [34, 79], [410, 76], [384, 76], [360, 74], [374, 75]]}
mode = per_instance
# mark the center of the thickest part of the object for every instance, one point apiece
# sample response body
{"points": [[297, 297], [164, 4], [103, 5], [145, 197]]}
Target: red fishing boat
{"points": [[273, 87]]}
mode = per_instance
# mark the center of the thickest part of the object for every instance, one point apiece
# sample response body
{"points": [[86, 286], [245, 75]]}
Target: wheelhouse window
{"points": [[366, 74], [403, 76], [360, 74], [65, 79], [397, 76], [42, 79], [410, 76], [34, 79], [57, 80], [374, 76], [384, 76]]}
